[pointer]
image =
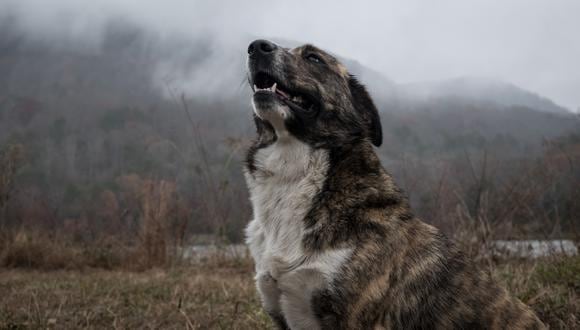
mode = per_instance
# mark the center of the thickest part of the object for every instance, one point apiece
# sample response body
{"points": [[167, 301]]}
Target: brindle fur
{"points": [[402, 273]]}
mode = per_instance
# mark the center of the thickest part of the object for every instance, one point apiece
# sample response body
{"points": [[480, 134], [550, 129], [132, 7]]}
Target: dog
{"points": [[333, 238]]}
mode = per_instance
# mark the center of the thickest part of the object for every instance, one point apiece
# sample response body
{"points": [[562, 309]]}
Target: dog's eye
{"points": [[314, 58]]}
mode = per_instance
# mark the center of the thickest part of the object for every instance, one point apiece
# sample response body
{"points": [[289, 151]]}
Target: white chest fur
{"points": [[288, 177]]}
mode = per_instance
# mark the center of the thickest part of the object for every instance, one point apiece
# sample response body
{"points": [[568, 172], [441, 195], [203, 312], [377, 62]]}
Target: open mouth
{"points": [[265, 83]]}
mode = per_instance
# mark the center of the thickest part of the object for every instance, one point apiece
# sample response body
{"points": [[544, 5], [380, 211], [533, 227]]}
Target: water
{"points": [[230, 251], [530, 249], [533, 248]]}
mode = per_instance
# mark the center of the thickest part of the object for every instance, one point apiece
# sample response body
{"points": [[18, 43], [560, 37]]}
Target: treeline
{"points": [[92, 147]]}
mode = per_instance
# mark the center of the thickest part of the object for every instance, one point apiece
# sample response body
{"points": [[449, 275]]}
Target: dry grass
{"points": [[42, 251], [205, 296], [221, 295], [551, 287]]}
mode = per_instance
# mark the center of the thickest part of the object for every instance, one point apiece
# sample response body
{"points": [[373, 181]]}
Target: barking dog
{"points": [[334, 241]]}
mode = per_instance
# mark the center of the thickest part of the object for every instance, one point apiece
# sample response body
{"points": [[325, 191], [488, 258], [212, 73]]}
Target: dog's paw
{"points": [[297, 288], [269, 292]]}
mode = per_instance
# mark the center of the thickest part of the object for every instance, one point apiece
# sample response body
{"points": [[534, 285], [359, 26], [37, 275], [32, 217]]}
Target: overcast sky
{"points": [[532, 43]]}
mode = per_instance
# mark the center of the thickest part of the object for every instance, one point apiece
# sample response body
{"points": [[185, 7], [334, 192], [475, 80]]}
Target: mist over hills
{"points": [[479, 90], [139, 69], [164, 106], [142, 61]]}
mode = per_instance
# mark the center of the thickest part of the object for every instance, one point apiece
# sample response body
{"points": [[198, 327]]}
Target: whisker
{"points": [[245, 79]]}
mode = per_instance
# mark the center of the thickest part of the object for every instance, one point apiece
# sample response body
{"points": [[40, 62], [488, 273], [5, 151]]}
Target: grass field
{"points": [[221, 295]]}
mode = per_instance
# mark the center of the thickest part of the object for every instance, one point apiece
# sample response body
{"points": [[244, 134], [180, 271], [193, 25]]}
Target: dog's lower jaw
{"points": [[273, 112]]}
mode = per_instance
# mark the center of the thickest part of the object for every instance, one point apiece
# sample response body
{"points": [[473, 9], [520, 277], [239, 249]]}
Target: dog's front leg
{"points": [[297, 289], [270, 295]]}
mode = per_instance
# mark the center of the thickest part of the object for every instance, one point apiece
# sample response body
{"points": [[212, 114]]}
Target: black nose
{"points": [[261, 47]]}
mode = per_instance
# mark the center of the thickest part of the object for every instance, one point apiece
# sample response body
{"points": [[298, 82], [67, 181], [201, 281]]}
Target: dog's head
{"points": [[307, 93]]}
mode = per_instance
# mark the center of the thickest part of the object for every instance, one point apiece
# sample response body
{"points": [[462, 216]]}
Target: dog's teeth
{"points": [[274, 88], [255, 87]]}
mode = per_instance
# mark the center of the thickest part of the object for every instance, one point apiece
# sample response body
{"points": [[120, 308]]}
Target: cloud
{"points": [[532, 43]]}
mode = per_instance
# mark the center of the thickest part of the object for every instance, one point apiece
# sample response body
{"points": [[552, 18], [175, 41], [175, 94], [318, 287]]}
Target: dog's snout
{"points": [[261, 47]]}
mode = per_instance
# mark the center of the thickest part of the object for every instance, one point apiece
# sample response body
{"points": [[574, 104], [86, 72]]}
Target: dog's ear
{"points": [[366, 107]]}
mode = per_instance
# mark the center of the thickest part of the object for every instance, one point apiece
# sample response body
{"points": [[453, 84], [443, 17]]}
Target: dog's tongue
{"points": [[282, 93]]}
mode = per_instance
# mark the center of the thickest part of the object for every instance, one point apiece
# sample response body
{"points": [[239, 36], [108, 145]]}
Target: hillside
{"points": [[479, 90], [143, 107]]}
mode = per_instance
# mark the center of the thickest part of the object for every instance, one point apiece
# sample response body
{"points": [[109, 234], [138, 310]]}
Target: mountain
{"points": [[132, 69], [140, 105], [479, 90]]}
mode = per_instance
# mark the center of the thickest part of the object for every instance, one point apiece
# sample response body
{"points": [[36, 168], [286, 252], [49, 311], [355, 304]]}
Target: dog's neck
{"points": [[287, 158], [355, 162]]}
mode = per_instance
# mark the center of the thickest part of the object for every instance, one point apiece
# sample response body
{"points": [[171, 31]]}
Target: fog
{"points": [[125, 127], [533, 44]]}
